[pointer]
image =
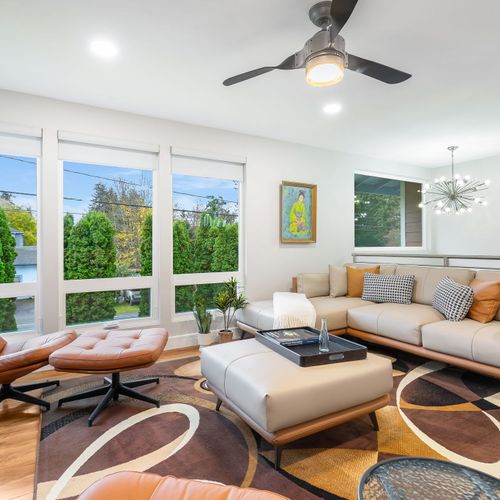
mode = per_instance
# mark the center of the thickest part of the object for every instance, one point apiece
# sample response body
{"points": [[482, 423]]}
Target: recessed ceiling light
{"points": [[105, 49], [332, 108]]}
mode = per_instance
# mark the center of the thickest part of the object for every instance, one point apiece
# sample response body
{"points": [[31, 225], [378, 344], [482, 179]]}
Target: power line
{"points": [[122, 181], [206, 197], [203, 212], [31, 162], [106, 178]]}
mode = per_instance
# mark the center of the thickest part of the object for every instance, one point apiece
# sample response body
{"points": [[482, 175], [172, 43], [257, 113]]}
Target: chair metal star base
{"points": [[111, 390], [18, 393]]}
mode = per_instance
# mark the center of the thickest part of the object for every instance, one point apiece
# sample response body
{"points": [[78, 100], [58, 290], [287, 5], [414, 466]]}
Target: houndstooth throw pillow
{"points": [[453, 299], [397, 289]]}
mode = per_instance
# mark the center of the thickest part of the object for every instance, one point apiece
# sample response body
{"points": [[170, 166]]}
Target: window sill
{"points": [[126, 324]]}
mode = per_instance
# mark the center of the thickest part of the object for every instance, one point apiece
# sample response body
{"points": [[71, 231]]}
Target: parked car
{"points": [[132, 296]]}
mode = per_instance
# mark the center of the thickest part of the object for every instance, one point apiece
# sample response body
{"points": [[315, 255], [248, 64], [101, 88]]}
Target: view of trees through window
{"points": [[205, 232], [386, 212], [107, 234], [18, 238]]}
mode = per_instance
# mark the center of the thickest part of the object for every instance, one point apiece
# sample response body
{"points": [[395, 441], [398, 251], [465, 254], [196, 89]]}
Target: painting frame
{"points": [[312, 191]]}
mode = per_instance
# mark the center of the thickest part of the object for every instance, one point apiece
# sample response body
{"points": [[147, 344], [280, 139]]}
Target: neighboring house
{"points": [[25, 262]]}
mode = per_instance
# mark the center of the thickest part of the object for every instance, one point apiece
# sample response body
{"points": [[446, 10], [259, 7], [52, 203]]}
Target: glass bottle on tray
{"points": [[324, 340]]}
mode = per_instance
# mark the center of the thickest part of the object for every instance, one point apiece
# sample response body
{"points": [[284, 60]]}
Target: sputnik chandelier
{"points": [[455, 195]]}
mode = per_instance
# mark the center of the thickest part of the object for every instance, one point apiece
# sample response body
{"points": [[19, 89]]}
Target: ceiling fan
{"points": [[324, 56]]}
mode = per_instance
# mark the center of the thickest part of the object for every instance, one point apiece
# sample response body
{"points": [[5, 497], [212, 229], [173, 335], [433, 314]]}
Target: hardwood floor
{"points": [[20, 434]]}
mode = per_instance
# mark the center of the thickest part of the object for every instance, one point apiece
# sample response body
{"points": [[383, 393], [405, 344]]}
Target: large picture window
{"points": [[386, 212], [206, 227], [18, 231], [108, 234]]}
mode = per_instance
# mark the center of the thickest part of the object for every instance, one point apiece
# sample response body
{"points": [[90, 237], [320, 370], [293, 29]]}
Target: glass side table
{"points": [[415, 478]]}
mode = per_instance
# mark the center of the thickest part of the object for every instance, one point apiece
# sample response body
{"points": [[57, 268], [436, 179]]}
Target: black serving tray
{"points": [[308, 355]]}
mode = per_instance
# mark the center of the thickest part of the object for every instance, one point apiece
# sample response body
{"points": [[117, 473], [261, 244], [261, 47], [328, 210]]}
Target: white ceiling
{"points": [[174, 55]]}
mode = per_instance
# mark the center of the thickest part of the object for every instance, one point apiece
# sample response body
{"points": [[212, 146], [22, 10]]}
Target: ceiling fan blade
{"points": [[376, 70], [340, 13], [288, 63]]}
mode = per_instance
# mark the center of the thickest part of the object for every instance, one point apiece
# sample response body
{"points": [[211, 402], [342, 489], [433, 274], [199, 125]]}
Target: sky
{"points": [[190, 192], [18, 174], [80, 180]]}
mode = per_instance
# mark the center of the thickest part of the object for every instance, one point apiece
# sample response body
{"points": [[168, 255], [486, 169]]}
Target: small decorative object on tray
{"points": [[306, 353], [292, 336]]}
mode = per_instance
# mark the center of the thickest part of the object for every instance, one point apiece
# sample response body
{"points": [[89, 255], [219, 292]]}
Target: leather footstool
{"points": [[283, 402], [108, 351]]}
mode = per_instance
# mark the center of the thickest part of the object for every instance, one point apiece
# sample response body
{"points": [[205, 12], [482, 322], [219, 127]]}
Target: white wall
{"points": [[269, 265], [477, 233]]}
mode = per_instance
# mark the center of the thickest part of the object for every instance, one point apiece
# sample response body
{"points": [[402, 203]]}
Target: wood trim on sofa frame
{"points": [[466, 364]]}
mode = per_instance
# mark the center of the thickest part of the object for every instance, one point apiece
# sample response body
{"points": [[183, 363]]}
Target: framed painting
{"points": [[297, 212]]}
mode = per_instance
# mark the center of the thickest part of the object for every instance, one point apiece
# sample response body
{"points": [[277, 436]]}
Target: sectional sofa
{"points": [[417, 328]]}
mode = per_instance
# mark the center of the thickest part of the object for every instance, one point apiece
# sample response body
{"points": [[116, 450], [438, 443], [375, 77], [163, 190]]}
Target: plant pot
{"points": [[205, 339], [225, 336]]}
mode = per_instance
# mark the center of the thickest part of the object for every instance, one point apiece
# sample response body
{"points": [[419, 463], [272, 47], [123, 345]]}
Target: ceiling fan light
{"points": [[324, 70]]}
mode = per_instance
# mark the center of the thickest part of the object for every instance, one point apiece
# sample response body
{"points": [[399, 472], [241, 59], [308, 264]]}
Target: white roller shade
{"points": [[20, 141], [110, 152], [194, 164]]}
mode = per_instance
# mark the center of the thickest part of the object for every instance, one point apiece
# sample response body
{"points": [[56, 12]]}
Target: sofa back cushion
{"points": [[427, 278], [489, 276], [313, 284]]}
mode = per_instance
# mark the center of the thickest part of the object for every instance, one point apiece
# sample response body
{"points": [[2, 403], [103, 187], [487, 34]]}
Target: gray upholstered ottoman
{"points": [[283, 402]]}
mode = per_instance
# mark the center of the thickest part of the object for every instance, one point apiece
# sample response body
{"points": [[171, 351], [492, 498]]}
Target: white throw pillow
{"points": [[338, 281]]}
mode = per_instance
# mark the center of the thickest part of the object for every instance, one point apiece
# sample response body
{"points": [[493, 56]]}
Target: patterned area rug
{"points": [[434, 411]]}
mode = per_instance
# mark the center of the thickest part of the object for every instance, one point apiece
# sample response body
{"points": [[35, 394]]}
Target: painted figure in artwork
{"points": [[298, 216]]}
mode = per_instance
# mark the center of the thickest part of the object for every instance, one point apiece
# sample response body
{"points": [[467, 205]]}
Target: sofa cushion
{"points": [[486, 344], [486, 300], [355, 278], [451, 337], [453, 299], [392, 289], [467, 339], [258, 314], [313, 284], [402, 322], [427, 278], [489, 276], [334, 310]]}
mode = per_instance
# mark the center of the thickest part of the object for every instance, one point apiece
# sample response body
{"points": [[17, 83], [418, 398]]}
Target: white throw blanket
{"points": [[292, 310]]}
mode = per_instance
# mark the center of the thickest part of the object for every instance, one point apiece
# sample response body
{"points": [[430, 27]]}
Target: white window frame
{"points": [[23, 136], [425, 218], [109, 284], [217, 277]]}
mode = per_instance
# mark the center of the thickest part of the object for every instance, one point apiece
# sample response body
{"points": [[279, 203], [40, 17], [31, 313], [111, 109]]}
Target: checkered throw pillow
{"points": [[397, 289], [453, 299]]}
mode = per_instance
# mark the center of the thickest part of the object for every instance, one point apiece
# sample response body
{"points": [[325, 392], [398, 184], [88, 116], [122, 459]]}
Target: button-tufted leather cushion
{"points": [[146, 486], [106, 351], [18, 358]]}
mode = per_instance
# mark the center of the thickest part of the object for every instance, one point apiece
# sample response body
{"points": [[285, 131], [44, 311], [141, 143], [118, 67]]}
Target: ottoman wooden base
{"points": [[290, 434]]}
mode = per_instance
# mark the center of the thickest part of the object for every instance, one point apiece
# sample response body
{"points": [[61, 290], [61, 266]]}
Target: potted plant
{"points": [[228, 301], [203, 319]]}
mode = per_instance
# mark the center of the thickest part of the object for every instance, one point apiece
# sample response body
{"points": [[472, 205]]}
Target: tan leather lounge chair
{"points": [[146, 486], [18, 358]]}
